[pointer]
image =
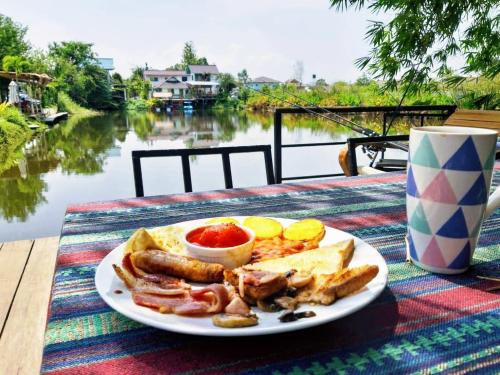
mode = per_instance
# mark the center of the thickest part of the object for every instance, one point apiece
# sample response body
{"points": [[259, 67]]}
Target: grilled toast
{"points": [[326, 289], [324, 260]]}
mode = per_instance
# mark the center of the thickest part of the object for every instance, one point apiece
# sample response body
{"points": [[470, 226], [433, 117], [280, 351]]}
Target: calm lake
{"points": [[83, 160]]}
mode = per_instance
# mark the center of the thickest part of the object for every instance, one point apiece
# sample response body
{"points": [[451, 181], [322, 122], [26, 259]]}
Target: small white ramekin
{"points": [[229, 257]]}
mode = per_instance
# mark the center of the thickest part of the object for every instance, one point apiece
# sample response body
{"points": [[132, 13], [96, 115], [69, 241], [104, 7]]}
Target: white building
{"points": [[198, 81]]}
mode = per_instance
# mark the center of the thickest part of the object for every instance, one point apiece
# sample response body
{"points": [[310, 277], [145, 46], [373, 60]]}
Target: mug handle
{"points": [[493, 203]]}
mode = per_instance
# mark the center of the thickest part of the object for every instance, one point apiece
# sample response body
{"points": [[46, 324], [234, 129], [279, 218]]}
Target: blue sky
{"points": [[265, 37]]}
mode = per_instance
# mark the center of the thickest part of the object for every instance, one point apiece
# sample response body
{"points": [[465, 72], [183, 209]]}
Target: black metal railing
{"points": [[184, 154], [389, 112]]}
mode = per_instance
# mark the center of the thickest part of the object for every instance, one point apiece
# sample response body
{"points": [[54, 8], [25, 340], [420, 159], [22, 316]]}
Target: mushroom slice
{"points": [[287, 303], [234, 320], [297, 280], [291, 316]]}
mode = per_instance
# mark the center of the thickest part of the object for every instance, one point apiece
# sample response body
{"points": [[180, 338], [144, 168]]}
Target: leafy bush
{"points": [[11, 133], [12, 138], [12, 115], [137, 104]]}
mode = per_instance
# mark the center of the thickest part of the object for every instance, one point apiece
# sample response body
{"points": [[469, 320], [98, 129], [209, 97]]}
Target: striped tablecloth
{"points": [[421, 323]]}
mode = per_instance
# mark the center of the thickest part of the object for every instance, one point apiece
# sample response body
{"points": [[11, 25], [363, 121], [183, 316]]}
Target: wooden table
{"points": [[27, 271]]}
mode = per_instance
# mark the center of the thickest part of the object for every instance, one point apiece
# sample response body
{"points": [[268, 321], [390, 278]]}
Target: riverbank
{"points": [[66, 104]]}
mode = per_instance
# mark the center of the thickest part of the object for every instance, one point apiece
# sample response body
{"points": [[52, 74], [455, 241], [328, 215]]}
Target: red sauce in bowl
{"points": [[218, 235]]}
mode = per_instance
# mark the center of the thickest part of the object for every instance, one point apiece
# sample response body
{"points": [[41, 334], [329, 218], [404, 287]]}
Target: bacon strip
{"points": [[172, 295], [165, 304], [237, 306], [212, 299], [217, 294]]}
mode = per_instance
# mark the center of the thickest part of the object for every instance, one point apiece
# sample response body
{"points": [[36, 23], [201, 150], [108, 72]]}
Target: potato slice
{"points": [[263, 227], [305, 230]]}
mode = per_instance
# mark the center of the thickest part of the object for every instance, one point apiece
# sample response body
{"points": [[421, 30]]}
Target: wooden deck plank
{"points": [[475, 118], [477, 113], [21, 344], [473, 123], [13, 258]]}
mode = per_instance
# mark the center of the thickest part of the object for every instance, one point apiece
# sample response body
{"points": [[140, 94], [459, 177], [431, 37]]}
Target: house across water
{"points": [[260, 82], [197, 84]]}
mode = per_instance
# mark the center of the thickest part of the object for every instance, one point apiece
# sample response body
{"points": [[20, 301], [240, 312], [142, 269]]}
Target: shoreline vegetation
{"points": [[14, 133]]}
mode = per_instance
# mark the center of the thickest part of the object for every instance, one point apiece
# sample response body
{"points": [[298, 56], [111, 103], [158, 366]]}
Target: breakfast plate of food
{"points": [[240, 276]]}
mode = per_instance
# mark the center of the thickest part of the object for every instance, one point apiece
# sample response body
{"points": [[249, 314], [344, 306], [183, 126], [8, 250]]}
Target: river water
{"points": [[89, 159]]}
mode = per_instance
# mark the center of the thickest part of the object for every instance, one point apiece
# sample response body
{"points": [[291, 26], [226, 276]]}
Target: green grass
{"points": [[66, 104]]}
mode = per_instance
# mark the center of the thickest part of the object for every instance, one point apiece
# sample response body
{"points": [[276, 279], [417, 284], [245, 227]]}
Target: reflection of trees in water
{"points": [[142, 123], [81, 145], [77, 146], [21, 196]]}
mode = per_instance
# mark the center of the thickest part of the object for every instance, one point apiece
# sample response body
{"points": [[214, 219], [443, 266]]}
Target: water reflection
{"points": [[64, 164]]}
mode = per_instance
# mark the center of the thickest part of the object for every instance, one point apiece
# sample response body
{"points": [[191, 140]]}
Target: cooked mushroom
{"points": [[268, 305], [234, 320], [299, 281], [291, 316], [287, 303]]}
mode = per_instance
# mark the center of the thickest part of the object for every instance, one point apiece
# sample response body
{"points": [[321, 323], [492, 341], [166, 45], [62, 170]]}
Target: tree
{"points": [[422, 36], [189, 56], [226, 84], [39, 61], [17, 64], [364, 80], [243, 76], [321, 84], [12, 38], [76, 53], [137, 86], [298, 70], [77, 73], [117, 79]]}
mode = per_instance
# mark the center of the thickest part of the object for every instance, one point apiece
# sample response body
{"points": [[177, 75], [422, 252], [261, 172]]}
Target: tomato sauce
{"points": [[219, 235]]}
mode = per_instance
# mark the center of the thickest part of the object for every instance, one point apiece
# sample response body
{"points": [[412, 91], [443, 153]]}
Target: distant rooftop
{"points": [[106, 63], [172, 85], [164, 73], [264, 80], [203, 69]]}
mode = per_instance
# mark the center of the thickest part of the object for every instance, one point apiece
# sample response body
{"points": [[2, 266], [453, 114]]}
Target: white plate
{"points": [[107, 283]]}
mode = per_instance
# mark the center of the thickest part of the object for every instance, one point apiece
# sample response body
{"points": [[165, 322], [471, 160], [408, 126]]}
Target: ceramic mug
{"points": [[448, 182]]}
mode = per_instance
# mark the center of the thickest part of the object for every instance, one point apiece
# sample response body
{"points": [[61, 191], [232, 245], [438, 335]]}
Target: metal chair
{"points": [[184, 154]]}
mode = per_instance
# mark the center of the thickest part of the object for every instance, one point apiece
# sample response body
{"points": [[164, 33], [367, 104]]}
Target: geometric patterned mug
{"points": [[448, 182]]}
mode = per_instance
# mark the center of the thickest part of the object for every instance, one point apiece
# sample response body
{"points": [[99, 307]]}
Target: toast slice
{"points": [[326, 289], [324, 260]]}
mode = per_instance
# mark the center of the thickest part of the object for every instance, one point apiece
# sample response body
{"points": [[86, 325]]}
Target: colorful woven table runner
{"points": [[422, 323]]}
